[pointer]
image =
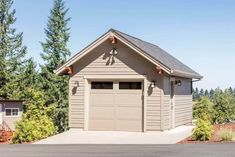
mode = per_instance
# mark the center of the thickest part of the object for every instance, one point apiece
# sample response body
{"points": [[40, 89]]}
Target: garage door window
{"points": [[130, 85], [101, 85]]}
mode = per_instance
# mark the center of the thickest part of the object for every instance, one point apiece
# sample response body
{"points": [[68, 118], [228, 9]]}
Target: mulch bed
{"points": [[215, 137]]}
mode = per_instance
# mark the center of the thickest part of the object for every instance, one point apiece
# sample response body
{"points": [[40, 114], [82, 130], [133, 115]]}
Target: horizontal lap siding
{"points": [[166, 114], [76, 103], [183, 109], [183, 103], [153, 112], [126, 62], [166, 106]]}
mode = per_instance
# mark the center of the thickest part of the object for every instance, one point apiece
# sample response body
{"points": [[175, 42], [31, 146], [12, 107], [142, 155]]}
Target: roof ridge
{"points": [[133, 37]]}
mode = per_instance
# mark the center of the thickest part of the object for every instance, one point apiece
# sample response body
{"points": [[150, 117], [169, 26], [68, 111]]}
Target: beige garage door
{"points": [[115, 106]]}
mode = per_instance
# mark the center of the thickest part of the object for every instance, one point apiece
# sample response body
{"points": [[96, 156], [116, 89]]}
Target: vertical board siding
{"points": [[126, 62]]}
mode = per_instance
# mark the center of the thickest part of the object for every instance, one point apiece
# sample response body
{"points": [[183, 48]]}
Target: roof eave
{"points": [[186, 74]]}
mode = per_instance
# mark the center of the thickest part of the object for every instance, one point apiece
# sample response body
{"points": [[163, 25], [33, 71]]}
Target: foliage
{"points": [[203, 109], [28, 78], [35, 124], [195, 94], [224, 106], [12, 52], [203, 130], [226, 134], [54, 54], [29, 130]]}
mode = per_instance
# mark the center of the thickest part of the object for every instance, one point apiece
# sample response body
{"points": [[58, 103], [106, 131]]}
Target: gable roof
{"points": [[152, 52]]}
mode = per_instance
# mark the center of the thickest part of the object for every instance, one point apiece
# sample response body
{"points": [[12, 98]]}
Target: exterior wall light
{"points": [[76, 84], [153, 84], [113, 52], [178, 82]]}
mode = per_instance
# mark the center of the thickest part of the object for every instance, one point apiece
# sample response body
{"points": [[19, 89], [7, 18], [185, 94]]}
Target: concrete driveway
{"points": [[75, 136]]}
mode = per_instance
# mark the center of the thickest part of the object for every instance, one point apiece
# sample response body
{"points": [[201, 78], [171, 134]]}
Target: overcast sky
{"points": [[200, 33]]}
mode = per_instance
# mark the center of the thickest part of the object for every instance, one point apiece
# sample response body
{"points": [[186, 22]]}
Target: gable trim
{"points": [[82, 53], [101, 39]]}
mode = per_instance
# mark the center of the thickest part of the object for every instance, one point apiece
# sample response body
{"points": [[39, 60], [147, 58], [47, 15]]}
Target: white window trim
{"points": [[12, 115]]}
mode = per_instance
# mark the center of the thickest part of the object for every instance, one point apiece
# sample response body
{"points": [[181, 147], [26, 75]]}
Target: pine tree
{"points": [[201, 93], [230, 89], [195, 94], [27, 79], [206, 93], [211, 94], [12, 52], [54, 54]]}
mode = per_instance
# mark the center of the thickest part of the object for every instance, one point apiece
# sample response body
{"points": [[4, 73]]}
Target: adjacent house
{"points": [[10, 112], [122, 83]]}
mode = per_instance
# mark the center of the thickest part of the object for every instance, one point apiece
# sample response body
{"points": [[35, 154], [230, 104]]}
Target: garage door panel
{"points": [[129, 113], [102, 99], [101, 112], [132, 99], [102, 124]]}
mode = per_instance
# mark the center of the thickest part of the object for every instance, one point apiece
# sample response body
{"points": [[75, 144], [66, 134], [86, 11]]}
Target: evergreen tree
{"points": [[224, 105], [234, 92], [28, 78], [12, 52], [230, 89], [54, 54], [195, 94], [211, 94], [206, 93], [201, 93]]}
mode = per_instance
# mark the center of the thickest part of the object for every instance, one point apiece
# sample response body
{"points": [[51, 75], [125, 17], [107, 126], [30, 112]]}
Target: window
{"points": [[12, 112], [101, 85], [130, 85]]}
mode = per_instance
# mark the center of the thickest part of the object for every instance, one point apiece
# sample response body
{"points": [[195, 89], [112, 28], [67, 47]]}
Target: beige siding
{"points": [[126, 62], [183, 103], [11, 121], [76, 102], [166, 108]]}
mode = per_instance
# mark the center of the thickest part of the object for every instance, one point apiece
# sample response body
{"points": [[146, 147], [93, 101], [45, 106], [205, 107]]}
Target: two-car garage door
{"points": [[116, 106]]}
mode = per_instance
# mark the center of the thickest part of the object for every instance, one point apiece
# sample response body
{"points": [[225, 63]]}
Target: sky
{"points": [[200, 33]]}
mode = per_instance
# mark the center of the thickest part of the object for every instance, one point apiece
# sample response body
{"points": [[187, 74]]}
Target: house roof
{"points": [[164, 59]]}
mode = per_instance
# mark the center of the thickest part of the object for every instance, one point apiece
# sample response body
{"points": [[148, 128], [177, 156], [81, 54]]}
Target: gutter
{"points": [[196, 80]]}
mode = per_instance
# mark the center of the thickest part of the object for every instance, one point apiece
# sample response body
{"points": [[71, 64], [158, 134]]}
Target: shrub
{"points": [[224, 106], [203, 130], [29, 130], [203, 109], [35, 123], [226, 134]]}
